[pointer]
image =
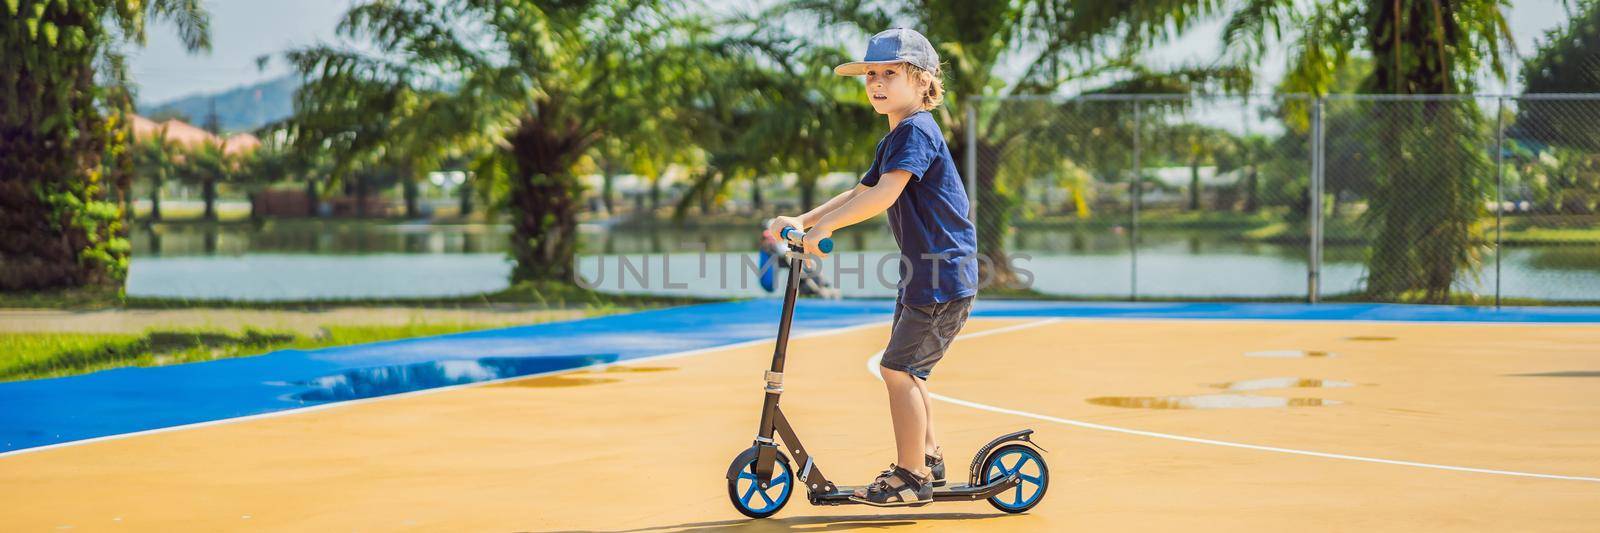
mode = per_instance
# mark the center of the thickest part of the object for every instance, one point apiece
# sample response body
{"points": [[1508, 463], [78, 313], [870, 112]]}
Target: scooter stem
{"points": [[766, 450]]}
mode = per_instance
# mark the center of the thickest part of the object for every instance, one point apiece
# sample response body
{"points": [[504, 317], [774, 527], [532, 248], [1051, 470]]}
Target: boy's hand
{"points": [[810, 242], [783, 222]]}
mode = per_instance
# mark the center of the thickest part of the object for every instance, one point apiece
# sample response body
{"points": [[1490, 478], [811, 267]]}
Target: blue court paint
{"points": [[49, 411]]}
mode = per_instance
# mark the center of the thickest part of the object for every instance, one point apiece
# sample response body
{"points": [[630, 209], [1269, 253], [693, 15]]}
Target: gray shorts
{"points": [[921, 334]]}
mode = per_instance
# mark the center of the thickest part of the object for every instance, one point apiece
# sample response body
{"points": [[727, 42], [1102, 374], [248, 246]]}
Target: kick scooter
{"points": [[1009, 471]]}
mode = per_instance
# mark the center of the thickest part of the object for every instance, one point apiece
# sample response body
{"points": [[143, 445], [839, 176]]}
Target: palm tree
{"points": [[543, 80], [207, 166], [57, 227], [766, 103], [153, 157], [1057, 41], [1421, 211]]}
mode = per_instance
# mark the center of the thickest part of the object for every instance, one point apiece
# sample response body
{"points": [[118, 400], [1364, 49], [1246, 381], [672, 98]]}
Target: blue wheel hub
{"points": [[1032, 477]]}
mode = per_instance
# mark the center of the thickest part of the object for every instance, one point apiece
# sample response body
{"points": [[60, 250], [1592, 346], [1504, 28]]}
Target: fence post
{"points": [[1138, 191], [1499, 185], [1314, 262], [972, 159]]}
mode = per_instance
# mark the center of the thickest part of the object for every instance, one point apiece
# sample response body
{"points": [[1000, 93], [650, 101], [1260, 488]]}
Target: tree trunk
{"points": [[708, 193], [608, 195], [155, 194], [1194, 184], [755, 193], [1423, 210], [544, 202], [466, 197], [808, 194], [361, 195], [1252, 199], [655, 195], [409, 189], [311, 198], [208, 193]]}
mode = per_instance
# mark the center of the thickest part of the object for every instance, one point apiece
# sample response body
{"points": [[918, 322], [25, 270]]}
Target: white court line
{"points": [[299, 410], [872, 368]]}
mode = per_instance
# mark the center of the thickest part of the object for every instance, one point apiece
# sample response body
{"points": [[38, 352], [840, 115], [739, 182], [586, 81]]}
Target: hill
{"points": [[240, 109]]}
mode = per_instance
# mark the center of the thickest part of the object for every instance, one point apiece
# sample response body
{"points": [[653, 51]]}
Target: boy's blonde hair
{"points": [[933, 97]]}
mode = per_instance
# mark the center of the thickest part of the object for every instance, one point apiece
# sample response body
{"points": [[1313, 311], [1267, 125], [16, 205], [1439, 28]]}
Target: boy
{"points": [[913, 178]]}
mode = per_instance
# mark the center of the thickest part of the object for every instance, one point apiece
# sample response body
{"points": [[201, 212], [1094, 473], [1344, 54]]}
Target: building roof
{"points": [[190, 136]]}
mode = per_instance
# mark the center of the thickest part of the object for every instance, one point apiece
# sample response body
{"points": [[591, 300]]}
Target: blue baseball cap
{"points": [[898, 45]]}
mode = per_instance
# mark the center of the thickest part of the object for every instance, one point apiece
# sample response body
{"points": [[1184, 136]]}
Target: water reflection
{"points": [[1289, 353], [394, 379], [1208, 401], [1562, 374], [583, 378], [1281, 383]]}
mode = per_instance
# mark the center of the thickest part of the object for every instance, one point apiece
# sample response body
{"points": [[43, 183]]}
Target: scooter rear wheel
{"points": [[754, 501], [1034, 477]]}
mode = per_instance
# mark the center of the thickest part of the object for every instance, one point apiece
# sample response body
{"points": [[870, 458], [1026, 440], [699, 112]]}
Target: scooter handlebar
{"points": [[793, 236]]}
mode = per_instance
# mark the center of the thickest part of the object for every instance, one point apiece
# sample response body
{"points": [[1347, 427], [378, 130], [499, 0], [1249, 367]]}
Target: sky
{"points": [[242, 30]]}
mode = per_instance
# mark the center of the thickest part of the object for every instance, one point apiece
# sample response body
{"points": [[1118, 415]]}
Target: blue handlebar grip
{"points": [[825, 245]]}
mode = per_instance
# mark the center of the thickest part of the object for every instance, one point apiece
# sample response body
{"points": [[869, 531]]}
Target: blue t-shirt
{"points": [[930, 217]]}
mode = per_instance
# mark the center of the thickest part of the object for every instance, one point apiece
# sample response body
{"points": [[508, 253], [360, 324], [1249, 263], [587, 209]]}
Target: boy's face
{"points": [[891, 89]]}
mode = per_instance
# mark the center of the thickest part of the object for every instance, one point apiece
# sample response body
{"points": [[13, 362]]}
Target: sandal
{"points": [[936, 462], [910, 490]]}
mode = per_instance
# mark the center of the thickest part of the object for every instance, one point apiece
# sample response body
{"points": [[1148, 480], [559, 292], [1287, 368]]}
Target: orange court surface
{"points": [[1149, 424]]}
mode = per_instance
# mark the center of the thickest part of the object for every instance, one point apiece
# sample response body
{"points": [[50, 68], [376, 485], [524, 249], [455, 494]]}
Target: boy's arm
{"points": [[861, 205], [815, 215], [811, 217]]}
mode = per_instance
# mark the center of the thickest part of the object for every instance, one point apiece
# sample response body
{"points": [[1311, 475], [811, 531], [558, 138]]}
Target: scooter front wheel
{"points": [[1033, 477], [755, 501]]}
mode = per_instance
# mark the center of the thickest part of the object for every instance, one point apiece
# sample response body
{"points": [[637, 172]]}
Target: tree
{"points": [[207, 166], [544, 80], [1056, 41], [1422, 209], [153, 158], [1196, 145], [63, 101], [1568, 61], [767, 103]]}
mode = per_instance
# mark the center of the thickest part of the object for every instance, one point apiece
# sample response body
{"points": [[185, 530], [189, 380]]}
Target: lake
{"points": [[298, 260]]}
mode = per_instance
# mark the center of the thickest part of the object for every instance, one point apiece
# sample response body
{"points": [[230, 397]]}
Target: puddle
{"points": [[630, 369], [1208, 401], [587, 377], [1368, 338], [394, 379], [1561, 374], [1289, 353], [564, 380], [1282, 383]]}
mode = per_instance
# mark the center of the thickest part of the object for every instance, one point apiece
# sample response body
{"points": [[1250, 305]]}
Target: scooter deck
{"points": [[949, 493]]}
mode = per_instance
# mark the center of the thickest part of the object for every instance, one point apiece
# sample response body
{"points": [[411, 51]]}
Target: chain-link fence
{"points": [[1463, 199]]}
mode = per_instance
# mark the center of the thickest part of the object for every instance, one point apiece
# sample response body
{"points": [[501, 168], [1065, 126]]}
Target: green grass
{"points": [[45, 355], [1163, 219], [1516, 230], [1548, 235], [534, 295], [175, 212]]}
